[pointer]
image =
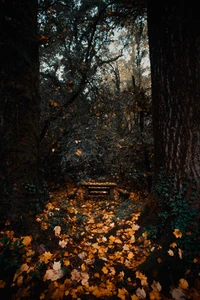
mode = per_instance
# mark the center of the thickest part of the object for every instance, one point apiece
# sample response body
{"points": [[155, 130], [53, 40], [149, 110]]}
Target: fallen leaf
{"points": [[45, 257], [105, 270], [183, 284], [63, 243], [130, 255], [171, 253], [141, 293], [180, 253], [57, 265], [134, 297], [154, 295], [57, 230], [27, 240], [53, 275], [178, 294], [177, 233], [122, 293], [156, 286]]}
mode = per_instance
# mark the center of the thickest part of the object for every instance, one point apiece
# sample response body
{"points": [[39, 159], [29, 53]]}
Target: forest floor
{"points": [[88, 249]]}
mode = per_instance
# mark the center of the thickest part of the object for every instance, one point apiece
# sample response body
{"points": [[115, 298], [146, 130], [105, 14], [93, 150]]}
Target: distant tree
{"points": [[19, 111]]}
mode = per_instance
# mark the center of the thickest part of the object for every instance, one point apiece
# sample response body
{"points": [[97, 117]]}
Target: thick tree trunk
{"points": [[19, 108], [174, 40]]}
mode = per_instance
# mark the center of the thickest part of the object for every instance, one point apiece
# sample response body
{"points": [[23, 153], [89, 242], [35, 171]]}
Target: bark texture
{"points": [[19, 106], [174, 41]]}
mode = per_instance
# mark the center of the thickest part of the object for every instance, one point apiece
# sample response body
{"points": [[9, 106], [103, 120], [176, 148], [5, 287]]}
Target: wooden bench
{"points": [[99, 188]]}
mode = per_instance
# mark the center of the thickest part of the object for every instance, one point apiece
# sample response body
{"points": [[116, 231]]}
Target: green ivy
{"points": [[176, 212]]}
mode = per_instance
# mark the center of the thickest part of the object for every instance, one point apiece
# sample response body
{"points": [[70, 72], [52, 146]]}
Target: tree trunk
{"points": [[19, 108], [174, 41]]}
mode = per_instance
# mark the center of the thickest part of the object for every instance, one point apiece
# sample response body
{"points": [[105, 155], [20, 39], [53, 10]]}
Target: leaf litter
{"points": [[89, 250]]}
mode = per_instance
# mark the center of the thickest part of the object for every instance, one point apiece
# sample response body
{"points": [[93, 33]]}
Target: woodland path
{"points": [[87, 250]]}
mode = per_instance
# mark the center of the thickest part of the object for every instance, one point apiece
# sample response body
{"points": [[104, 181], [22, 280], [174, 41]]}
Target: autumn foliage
{"points": [[87, 250]]}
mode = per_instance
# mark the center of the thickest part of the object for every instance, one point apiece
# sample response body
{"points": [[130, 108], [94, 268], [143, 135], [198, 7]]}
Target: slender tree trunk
{"points": [[19, 108], [174, 40]]}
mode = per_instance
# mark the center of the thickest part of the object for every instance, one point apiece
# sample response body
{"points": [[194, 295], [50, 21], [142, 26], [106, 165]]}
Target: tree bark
{"points": [[19, 108], [174, 41]]}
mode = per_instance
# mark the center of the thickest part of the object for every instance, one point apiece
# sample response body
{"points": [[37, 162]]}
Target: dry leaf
{"points": [[154, 295], [141, 293], [122, 293], [183, 284], [57, 230], [171, 253], [178, 294], [177, 233], [63, 243], [57, 265], [180, 253], [134, 297], [156, 286], [27, 240], [45, 257]]}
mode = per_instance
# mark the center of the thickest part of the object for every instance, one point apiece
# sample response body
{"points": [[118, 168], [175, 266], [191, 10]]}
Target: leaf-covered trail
{"points": [[86, 250], [96, 245]]}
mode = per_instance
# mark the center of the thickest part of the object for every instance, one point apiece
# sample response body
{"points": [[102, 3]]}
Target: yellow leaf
{"points": [[195, 260], [159, 260], [130, 255], [134, 297], [45, 257], [83, 267], [118, 241], [142, 277], [27, 240], [144, 234], [154, 295], [122, 293], [177, 233], [66, 262], [183, 284], [173, 245], [104, 270]]}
